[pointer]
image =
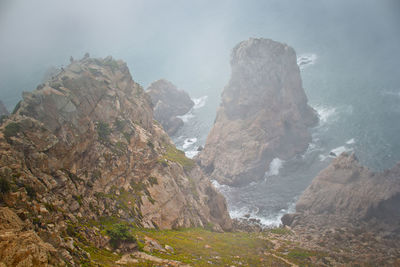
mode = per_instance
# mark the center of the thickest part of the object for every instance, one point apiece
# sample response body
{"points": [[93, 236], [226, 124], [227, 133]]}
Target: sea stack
{"points": [[169, 102], [263, 114]]}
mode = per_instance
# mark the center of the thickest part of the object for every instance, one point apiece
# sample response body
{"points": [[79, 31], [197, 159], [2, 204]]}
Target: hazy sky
{"points": [[188, 42]]}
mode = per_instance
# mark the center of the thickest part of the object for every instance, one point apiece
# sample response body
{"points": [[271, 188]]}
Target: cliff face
{"points": [[169, 102], [349, 195], [82, 150], [263, 114]]}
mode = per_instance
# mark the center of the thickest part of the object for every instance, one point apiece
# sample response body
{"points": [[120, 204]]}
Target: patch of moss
{"points": [[5, 185], [104, 131], [50, 207], [178, 156], [153, 180], [78, 198], [281, 231], [11, 129], [119, 125], [101, 257]]}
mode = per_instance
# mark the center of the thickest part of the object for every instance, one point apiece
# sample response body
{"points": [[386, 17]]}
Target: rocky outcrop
{"points": [[263, 114], [81, 154], [346, 194], [169, 102], [3, 110]]}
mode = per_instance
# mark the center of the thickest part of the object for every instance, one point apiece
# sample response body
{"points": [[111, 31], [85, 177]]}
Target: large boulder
{"points": [[263, 114], [348, 194], [169, 102]]}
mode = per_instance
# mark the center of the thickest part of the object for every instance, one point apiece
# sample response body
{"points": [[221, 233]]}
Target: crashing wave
{"points": [[274, 167], [305, 60], [199, 102]]}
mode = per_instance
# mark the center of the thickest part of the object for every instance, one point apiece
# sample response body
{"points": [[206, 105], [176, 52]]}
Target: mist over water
{"points": [[347, 52]]}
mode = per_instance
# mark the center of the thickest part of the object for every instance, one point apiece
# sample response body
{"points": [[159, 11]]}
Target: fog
{"points": [[187, 42]]}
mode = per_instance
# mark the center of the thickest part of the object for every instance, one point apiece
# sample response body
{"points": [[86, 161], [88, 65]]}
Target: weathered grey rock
{"points": [[169, 102], [348, 194], [263, 114], [84, 146]]}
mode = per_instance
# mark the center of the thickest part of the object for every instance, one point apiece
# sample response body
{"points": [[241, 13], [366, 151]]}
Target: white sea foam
{"points": [[191, 153], [199, 102], [274, 167], [338, 151], [186, 117], [351, 141], [305, 60], [189, 142], [325, 113]]}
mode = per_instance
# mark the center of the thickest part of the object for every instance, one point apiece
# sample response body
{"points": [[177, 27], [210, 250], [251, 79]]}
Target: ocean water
{"points": [[353, 124]]}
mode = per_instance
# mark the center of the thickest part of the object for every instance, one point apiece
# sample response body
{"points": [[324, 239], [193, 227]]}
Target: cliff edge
{"points": [[81, 160]]}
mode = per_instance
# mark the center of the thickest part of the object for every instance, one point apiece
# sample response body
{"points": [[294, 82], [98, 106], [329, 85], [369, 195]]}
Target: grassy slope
{"points": [[200, 247]]}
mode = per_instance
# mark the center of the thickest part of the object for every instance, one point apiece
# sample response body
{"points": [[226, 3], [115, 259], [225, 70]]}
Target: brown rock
{"points": [[263, 114], [84, 145], [348, 194]]}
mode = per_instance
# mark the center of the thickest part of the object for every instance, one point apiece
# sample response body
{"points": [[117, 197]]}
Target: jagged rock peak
{"points": [[82, 151], [169, 102], [263, 115]]}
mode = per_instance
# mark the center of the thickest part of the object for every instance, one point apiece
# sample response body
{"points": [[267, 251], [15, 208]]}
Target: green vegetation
{"points": [[12, 129], [153, 180], [200, 247], [119, 125], [178, 156], [120, 233], [150, 144], [31, 192], [104, 131], [281, 231], [5, 185], [101, 257], [50, 207], [78, 199]]}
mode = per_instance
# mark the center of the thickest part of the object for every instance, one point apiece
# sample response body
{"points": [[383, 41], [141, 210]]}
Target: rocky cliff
{"points": [[348, 194], [263, 114], [169, 103], [81, 156]]}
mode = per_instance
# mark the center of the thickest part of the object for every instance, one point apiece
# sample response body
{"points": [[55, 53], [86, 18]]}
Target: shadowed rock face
{"points": [[348, 194], [263, 114], [83, 148], [169, 102]]}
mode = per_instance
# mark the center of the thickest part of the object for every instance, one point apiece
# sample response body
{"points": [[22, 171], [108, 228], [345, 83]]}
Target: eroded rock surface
{"points": [[169, 102], [263, 114], [348, 194], [81, 153]]}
